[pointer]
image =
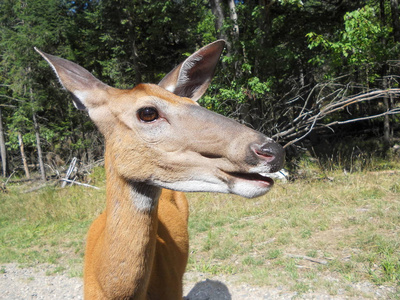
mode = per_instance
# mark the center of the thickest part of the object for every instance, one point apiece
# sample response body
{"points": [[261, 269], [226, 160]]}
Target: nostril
{"points": [[270, 152], [265, 154]]}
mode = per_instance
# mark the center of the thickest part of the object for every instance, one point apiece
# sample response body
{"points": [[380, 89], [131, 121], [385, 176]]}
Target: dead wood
{"points": [[310, 119], [312, 259], [79, 183]]}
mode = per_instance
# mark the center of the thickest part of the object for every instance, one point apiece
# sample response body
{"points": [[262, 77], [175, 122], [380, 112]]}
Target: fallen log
{"points": [[79, 183]]}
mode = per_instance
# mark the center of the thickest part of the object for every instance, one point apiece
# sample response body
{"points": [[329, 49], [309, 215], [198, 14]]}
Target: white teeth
{"points": [[282, 175]]}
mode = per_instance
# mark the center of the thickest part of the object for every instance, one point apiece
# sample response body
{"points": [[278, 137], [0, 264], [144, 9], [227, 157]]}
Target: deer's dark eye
{"points": [[148, 114]]}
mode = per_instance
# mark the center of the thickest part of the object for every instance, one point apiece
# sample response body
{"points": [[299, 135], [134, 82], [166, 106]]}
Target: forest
{"points": [[317, 76]]}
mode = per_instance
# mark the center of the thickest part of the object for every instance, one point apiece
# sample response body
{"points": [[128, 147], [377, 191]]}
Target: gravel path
{"points": [[33, 283]]}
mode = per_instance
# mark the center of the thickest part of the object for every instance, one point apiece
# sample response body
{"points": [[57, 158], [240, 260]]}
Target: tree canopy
{"points": [[291, 67]]}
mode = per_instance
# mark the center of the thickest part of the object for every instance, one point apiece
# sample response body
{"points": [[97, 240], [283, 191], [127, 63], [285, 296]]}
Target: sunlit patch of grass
{"points": [[252, 261], [46, 226], [56, 270], [329, 220], [212, 267]]}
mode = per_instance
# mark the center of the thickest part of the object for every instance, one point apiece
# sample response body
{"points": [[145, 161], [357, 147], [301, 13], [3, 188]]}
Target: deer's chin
{"points": [[250, 185]]}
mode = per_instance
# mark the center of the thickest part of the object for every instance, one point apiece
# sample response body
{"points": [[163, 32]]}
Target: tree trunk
{"points": [[265, 21], [39, 149], [234, 18], [134, 55], [21, 148], [383, 18], [3, 149], [386, 122], [218, 12], [38, 143], [135, 59], [395, 20]]}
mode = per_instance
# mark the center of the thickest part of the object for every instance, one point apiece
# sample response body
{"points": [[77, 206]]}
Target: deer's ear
{"points": [[77, 80], [193, 76]]}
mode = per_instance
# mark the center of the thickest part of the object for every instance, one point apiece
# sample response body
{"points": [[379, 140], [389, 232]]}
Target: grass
{"points": [[351, 221], [48, 226]]}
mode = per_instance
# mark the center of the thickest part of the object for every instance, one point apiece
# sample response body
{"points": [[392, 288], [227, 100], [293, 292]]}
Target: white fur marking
{"points": [[145, 197], [194, 186], [81, 95]]}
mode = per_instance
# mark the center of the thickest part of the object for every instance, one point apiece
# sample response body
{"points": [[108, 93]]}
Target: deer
{"points": [[159, 144]]}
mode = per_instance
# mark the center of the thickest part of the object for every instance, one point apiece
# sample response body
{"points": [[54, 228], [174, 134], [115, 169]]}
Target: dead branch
{"points": [[24, 180], [69, 172], [36, 188], [315, 260], [79, 183], [9, 177], [309, 120]]}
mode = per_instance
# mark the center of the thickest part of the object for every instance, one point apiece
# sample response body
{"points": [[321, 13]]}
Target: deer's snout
{"points": [[270, 152]]}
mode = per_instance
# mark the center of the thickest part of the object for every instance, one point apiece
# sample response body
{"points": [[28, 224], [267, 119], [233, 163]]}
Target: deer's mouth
{"points": [[253, 178]]}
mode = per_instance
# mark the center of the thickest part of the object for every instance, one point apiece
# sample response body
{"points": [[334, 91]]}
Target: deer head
{"points": [[159, 135]]}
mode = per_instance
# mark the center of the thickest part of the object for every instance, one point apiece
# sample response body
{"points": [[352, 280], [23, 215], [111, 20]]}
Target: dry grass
{"points": [[349, 224], [48, 226]]}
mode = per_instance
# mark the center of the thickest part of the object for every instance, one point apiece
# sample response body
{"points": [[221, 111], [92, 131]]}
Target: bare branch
{"points": [[79, 183], [307, 120], [390, 112]]}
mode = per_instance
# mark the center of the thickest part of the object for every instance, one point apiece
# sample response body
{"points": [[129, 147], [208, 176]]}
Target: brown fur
{"points": [[162, 247], [138, 247]]}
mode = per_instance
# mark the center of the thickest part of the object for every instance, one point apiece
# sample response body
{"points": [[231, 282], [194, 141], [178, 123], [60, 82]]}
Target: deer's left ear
{"points": [[84, 87], [193, 76]]}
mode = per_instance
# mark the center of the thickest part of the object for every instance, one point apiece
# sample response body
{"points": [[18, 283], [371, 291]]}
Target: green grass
{"points": [[350, 221], [48, 226]]}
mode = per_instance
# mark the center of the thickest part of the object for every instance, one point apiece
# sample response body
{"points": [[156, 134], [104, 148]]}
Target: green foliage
{"points": [[130, 41], [358, 46], [280, 53], [292, 2]]}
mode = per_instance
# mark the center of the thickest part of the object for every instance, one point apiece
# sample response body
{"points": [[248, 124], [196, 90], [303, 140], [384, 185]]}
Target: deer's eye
{"points": [[148, 114]]}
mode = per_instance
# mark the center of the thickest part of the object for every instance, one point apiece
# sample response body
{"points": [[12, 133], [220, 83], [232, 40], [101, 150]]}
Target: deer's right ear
{"points": [[193, 76], [77, 80]]}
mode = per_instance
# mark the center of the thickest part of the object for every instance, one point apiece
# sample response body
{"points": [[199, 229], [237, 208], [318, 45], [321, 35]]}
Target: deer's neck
{"points": [[129, 235]]}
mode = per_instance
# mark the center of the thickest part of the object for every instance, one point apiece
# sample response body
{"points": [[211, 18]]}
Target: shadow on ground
{"points": [[209, 290]]}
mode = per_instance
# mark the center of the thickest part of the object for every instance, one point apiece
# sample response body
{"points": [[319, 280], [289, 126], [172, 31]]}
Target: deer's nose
{"points": [[272, 153]]}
